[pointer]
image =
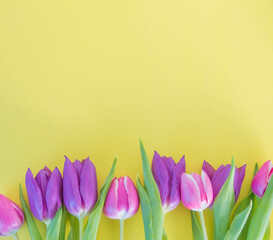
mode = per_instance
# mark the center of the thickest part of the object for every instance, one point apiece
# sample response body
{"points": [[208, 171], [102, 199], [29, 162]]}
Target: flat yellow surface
{"points": [[88, 78]]}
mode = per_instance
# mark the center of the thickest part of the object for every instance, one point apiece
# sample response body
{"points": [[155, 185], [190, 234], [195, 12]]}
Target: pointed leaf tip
{"points": [[232, 162], [33, 230]]}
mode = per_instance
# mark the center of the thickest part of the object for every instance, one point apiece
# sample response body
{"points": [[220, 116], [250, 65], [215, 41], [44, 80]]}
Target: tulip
{"points": [[196, 191], [261, 179], [122, 201], [80, 190], [219, 176], [167, 175], [197, 194], [11, 217], [44, 193]]}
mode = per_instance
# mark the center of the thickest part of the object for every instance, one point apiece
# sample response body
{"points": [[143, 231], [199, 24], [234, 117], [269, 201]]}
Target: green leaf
{"points": [[153, 194], [223, 205], [32, 228], [267, 232], [261, 216], [74, 228], [197, 233], [238, 224], [256, 168], [164, 237], [63, 223], [92, 226], [243, 205], [53, 230], [146, 211]]}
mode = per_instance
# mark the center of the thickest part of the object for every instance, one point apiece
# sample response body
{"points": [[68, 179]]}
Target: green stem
{"points": [[15, 236], [81, 220], [203, 225], [121, 229]]}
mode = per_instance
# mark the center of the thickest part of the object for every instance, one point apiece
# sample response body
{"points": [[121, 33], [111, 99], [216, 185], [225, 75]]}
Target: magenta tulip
{"points": [[196, 191], [167, 175], [11, 217], [218, 178], [44, 193], [122, 200], [262, 178], [80, 189]]}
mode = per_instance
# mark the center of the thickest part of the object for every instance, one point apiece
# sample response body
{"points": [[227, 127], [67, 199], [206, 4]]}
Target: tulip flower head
{"points": [[44, 193], [261, 179], [122, 200], [167, 175], [196, 191], [80, 189], [218, 178], [11, 217]]}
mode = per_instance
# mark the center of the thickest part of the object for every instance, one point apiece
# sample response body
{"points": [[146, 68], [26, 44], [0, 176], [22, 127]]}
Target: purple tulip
{"points": [[196, 191], [219, 176], [122, 200], [167, 175], [262, 178], [80, 190], [11, 217], [44, 193]]}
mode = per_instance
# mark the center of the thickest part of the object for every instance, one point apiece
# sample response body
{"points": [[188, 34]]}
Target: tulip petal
{"points": [[208, 187], [42, 181], [10, 220], [34, 196], [48, 171], [78, 167], [170, 164], [219, 179], [88, 185], [261, 179], [123, 204], [238, 181], [133, 199], [54, 193], [218, 171], [18, 211], [175, 195], [208, 169], [162, 177], [201, 187], [190, 194], [71, 192], [110, 208]]}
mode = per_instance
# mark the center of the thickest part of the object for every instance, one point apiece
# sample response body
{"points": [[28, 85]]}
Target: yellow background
{"points": [[88, 78]]}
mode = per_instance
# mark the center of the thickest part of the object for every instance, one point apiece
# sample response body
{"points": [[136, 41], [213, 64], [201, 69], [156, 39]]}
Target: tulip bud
{"points": [[196, 191], [80, 190], [218, 178], [261, 179], [122, 200], [44, 193], [167, 175], [11, 217]]}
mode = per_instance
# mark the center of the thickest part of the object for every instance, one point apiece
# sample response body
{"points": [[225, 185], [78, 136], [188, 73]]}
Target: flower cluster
{"points": [[52, 194]]}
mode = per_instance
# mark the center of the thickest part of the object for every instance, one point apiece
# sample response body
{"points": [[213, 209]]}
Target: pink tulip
{"points": [[262, 178], [196, 191], [122, 201], [11, 217]]}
